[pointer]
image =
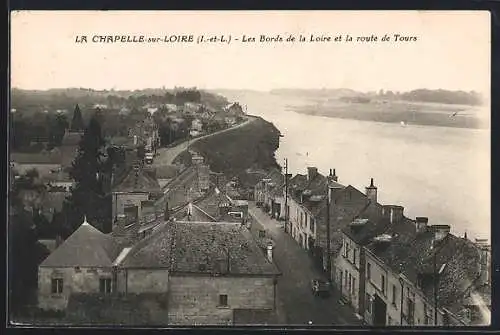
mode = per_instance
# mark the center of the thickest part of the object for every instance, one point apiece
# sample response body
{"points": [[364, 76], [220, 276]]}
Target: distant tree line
{"points": [[40, 127], [67, 99]]}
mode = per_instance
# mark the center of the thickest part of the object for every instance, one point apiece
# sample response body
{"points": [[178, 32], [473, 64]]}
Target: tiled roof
{"points": [[299, 181], [86, 247], [197, 247], [196, 244], [347, 204], [137, 181], [166, 171], [72, 138], [124, 141], [212, 203], [117, 309], [411, 253], [35, 158], [57, 177], [396, 253]]}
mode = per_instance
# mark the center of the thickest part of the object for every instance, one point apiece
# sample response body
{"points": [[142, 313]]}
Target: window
{"points": [[345, 278], [350, 284], [262, 233], [57, 285], [105, 285], [389, 321], [383, 284], [368, 271], [354, 256], [223, 300], [353, 286], [347, 250], [311, 222], [394, 293]]}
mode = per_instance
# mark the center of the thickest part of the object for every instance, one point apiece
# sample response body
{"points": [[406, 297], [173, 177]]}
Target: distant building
{"points": [[58, 179], [184, 273], [269, 193], [234, 109]]}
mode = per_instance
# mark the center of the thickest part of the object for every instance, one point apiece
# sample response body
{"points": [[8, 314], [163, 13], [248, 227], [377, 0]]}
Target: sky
{"points": [[452, 50]]}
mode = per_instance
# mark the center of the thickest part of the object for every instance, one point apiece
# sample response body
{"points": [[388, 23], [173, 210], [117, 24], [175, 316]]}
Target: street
{"points": [[294, 286]]}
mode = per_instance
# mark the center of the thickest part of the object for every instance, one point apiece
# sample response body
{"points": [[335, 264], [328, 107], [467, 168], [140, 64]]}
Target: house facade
{"points": [[306, 199], [135, 186], [397, 271]]}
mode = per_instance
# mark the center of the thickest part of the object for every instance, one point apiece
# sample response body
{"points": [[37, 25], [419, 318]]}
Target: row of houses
{"points": [[170, 259], [392, 269]]}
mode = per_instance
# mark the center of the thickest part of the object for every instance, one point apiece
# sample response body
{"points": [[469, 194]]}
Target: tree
{"points": [[57, 129], [88, 194], [77, 122]]}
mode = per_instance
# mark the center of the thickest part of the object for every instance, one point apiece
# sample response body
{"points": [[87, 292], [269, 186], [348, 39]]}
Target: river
{"points": [[439, 172]]}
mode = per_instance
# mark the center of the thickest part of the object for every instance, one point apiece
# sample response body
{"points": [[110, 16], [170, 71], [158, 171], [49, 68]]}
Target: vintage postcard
{"points": [[266, 168]]}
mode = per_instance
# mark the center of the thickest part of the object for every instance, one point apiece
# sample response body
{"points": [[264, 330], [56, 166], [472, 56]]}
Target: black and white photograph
{"points": [[249, 168]]}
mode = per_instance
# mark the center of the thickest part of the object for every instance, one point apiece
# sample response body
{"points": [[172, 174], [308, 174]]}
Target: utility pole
{"points": [[435, 290], [328, 252], [286, 195]]}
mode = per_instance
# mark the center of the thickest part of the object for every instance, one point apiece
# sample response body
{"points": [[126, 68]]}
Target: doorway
{"points": [[379, 311]]}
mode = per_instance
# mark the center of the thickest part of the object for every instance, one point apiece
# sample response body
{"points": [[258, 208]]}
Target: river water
{"points": [[439, 172]]}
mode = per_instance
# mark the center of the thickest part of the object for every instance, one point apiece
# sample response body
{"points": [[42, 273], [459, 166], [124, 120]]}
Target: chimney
{"points": [[334, 176], [440, 231], [394, 213], [270, 253], [371, 192], [311, 173], [421, 224]]}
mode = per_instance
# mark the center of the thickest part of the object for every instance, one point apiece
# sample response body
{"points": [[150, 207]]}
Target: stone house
{"points": [[137, 184], [234, 109], [187, 273], [306, 196], [82, 263], [269, 193], [390, 266], [349, 265]]}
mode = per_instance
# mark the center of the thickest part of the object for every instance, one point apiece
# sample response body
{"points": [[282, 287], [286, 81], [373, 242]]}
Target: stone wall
{"points": [[82, 280], [147, 280], [194, 300]]}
